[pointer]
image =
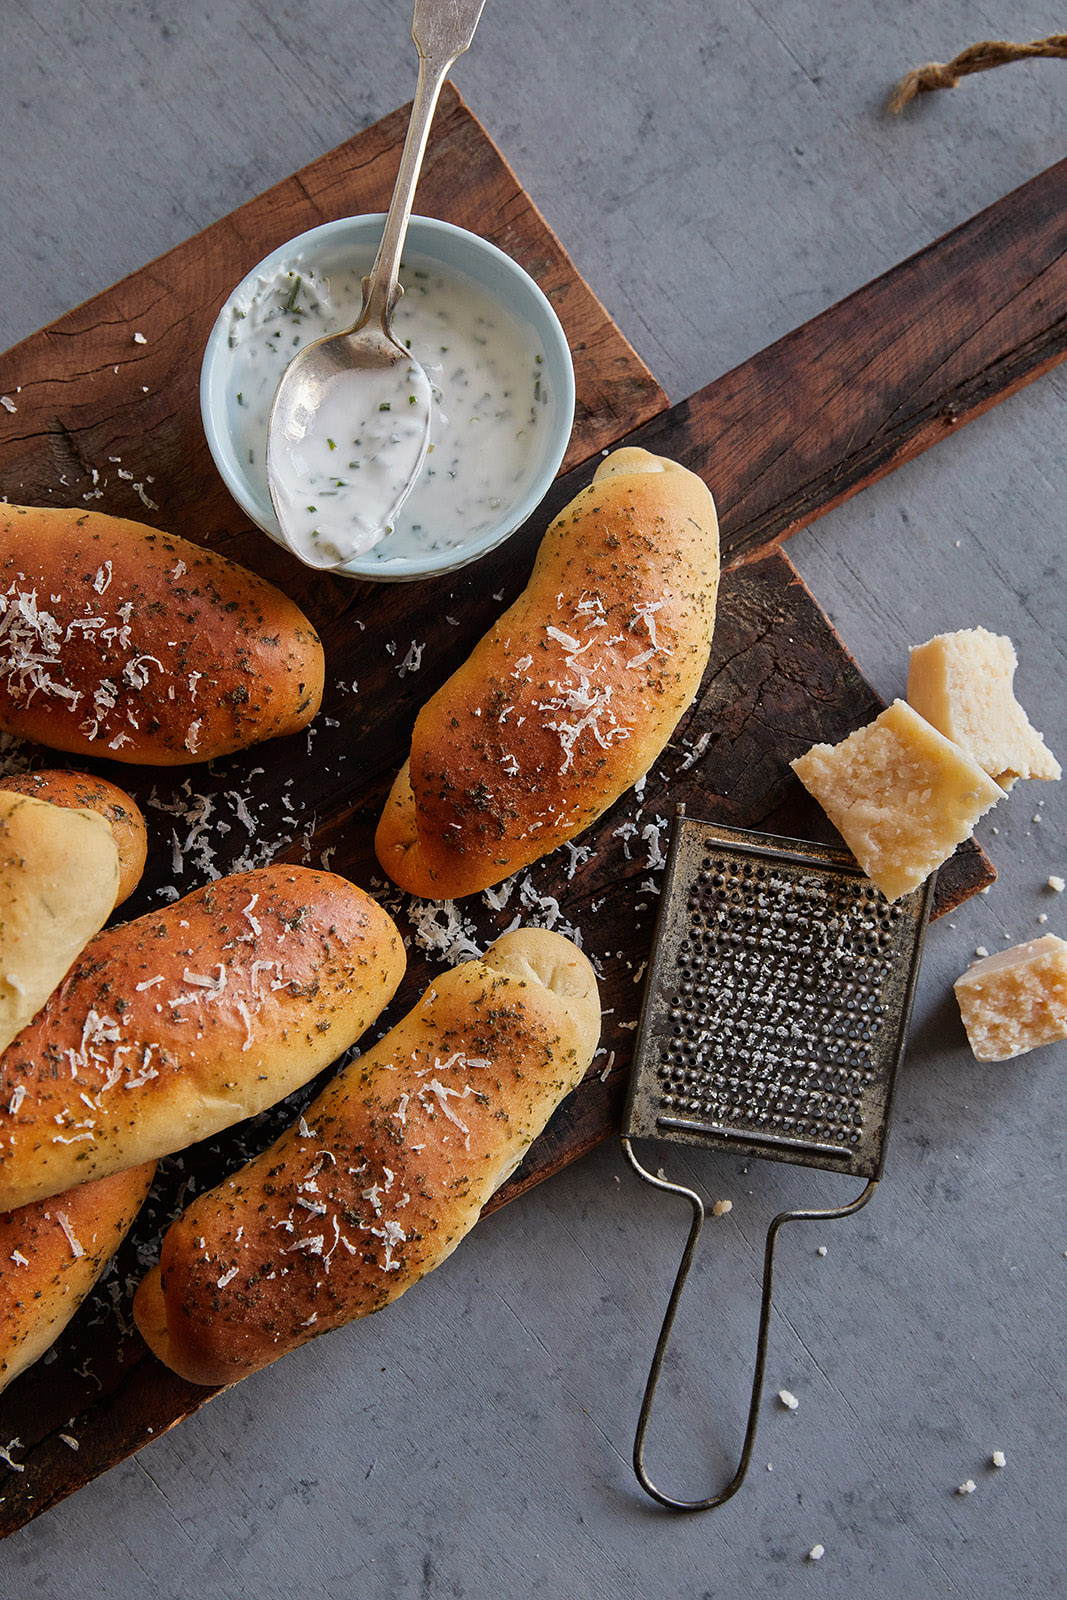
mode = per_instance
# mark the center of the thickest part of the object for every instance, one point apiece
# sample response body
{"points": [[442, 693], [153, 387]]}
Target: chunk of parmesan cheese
{"points": [[962, 683], [901, 795], [1015, 1000]]}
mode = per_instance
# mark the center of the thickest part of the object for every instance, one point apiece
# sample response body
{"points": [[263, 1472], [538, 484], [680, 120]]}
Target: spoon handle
{"points": [[442, 30]]}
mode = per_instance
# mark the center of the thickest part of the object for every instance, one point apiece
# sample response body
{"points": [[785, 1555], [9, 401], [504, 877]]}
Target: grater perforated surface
{"points": [[776, 1003]]}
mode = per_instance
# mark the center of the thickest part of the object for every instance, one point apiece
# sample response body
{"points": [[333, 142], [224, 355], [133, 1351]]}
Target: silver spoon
{"points": [[362, 379]]}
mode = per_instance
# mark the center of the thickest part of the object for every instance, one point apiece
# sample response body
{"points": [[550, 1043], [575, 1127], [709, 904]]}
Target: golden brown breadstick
{"points": [[78, 791], [571, 696], [189, 1019], [386, 1171], [122, 642], [59, 877], [51, 1254]]}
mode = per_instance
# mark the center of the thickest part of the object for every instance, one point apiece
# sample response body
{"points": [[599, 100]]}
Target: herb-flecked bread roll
{"points": [[189, 1019], [51, 1254], [137, 646], [59, 878], [386, 1171], [78, 791], [52, 1251], [568, 700]]}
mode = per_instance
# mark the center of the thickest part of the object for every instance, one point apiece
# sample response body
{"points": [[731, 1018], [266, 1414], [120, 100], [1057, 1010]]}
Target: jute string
{"points": [[976, 58]]}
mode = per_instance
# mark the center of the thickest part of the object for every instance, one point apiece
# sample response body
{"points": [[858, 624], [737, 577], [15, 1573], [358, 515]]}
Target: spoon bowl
{"points": [[350, 424], [347, 439]]}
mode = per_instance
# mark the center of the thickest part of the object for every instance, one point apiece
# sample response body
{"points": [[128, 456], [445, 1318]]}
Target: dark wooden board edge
{"points": [[883, 375]]}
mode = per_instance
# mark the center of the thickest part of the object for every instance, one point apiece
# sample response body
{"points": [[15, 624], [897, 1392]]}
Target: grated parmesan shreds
{"points": [[77, 1249], [440, 929], [412, 662], [695, 753], [204, 820]]}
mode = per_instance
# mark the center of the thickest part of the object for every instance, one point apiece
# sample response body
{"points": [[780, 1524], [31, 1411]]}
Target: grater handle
{"points": [[761, 1342]]}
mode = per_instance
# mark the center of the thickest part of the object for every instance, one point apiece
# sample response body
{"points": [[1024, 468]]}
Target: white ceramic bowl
{"points": [[350, 242]]}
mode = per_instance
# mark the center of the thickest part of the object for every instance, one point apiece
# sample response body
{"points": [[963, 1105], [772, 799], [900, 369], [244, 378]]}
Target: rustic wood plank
{"points": [[106, 419], [883, 375], [779, 679]]}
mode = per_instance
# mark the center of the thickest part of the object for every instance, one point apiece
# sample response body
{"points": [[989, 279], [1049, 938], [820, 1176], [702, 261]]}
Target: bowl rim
{"points": [[422, 232]]}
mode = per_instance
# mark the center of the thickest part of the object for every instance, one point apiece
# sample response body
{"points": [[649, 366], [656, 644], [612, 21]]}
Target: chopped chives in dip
{"points": [[488, 386]]}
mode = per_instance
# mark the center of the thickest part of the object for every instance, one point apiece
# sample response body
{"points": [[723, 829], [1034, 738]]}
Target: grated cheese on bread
{"points": [[385, 1172], [571, 696]]}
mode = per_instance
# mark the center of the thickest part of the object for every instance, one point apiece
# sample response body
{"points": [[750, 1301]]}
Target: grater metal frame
{"points": [[822, 1101]]}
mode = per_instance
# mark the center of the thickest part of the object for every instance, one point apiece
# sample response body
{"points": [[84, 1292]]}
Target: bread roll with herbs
{"points": [[78, 791], [174, 1026], [51, 1254], [137, 646], [568, 700], [53, 1251], [386, 1171], [59, 878]]}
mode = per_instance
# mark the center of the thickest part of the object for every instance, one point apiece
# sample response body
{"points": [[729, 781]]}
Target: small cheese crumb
{"points": [[967, 1488], [790, 1401], [999, 1459], [69, 1439], [816, 1552], [76, 1248], [1056, 883], [981, 952], [821, 1251], [139, 338], [721, 1207], [7, 403]]}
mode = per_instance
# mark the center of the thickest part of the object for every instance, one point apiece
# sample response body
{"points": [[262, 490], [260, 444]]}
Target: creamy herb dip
{"points": [[488, 387], [341, 471]]}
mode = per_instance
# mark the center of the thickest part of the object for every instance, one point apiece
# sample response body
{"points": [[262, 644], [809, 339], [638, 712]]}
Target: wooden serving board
{"points": [[107, 420]]}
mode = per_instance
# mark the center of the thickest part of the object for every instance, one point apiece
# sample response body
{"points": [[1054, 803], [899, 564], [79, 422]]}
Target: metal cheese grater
{"points": [[775, 1016]]}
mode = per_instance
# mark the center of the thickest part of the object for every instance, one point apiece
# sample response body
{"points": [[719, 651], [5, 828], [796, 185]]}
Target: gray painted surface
{"points": [[719, 174]]}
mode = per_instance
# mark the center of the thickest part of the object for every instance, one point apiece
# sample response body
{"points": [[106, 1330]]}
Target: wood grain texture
{"points": [[883, 375], [107, 416], [779, 678]]}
